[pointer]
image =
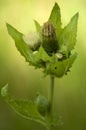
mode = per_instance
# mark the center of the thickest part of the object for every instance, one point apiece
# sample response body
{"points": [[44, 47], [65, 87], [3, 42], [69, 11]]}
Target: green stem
{"points": [[51, 94]]}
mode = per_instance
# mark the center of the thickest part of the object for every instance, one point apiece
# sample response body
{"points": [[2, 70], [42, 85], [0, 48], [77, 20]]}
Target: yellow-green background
{"points": [[25, 81]]}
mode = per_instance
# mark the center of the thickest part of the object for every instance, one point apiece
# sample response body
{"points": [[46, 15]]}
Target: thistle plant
{"points": [[50, 48]]}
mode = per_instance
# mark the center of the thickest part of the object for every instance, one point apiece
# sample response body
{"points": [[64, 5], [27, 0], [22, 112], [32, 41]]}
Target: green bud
{"points": [[50, 43], [42, 105]]}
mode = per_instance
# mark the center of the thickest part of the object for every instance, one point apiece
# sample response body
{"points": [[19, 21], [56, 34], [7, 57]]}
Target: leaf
{"points": [[37, 58], [19, 42], [60, 68], [21, 45], [25, 108], [28, 109], [42, 55], [55, 19], [67, 38], [71, 61], [38, 28]]}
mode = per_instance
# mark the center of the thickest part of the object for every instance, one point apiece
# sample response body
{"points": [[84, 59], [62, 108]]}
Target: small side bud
{"points": [[42, 105], [59, 56], [50, 43]]}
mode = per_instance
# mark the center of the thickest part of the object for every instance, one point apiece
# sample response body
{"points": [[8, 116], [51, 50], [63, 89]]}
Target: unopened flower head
{"points": [[49, 39]]}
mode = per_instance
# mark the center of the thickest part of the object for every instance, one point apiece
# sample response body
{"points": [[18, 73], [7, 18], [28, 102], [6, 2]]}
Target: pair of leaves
{"points": [[66, 36]]}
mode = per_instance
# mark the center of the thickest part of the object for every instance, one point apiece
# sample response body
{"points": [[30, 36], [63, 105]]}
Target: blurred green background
{"points": [[25, 81]]}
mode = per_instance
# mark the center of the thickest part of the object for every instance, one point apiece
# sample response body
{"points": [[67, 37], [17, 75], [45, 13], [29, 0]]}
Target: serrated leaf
{"points": [[67, 38], [19, 42], [71, 61], [25, 108], [21, 45], [60, 68], [38, 29], [55, 19]]}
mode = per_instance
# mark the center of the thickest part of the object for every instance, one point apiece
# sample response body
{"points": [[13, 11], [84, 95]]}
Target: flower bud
{"points": [[50, 43], [42, 105]]}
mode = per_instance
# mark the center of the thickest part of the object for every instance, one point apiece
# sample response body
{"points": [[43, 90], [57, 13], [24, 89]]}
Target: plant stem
{"points": [[51, 94]]}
